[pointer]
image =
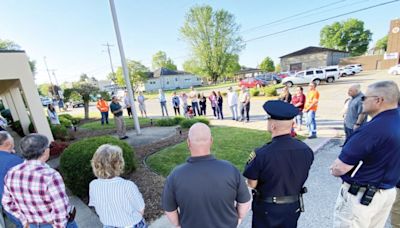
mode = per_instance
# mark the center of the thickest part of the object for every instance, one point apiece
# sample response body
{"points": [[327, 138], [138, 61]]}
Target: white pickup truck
{"points": [[311, 75]]}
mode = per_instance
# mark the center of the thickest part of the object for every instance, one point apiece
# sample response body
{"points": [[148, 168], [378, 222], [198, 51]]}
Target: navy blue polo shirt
{"points": [[7, 161], [281, 166], [377, 144], [115, 107]]}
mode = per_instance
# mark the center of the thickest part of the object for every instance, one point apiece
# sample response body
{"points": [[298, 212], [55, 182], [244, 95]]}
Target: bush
{"points": [[59, 132], [57, 148], [16, 126], [254, 92], [165, 122], [270, 91], [179, 119], [65, 122], [75, 162], [187, 123], [74, 120], [31, 128]]}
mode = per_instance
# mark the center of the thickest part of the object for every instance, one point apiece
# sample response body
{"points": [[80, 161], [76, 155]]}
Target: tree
{"points": [[278, 68], [382, 43], [44, 89], [233, 65], [160, 59], [138, 74], [347, 36], [85, 90], [267, 65], [213, 37], [83, 78]]}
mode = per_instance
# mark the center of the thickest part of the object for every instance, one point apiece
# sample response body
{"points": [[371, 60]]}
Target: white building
{"points": [[169, 80]]}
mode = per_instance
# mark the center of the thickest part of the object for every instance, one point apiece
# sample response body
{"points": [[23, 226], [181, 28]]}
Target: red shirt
{"points": [[296, 99]]}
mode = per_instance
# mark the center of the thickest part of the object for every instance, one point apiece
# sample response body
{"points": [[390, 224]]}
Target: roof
{"points": [[311, 50], [164, 71], [11, 51]]}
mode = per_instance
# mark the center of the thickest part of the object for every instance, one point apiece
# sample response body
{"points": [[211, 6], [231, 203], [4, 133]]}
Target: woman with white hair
{"points": [[117, 201]]}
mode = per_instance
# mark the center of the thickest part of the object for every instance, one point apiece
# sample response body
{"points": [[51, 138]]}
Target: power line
{"points": [[289, 17], [322, 20]]}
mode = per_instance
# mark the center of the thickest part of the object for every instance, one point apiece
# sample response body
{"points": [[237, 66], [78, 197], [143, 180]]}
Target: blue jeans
{"points": [[104, 117], [299, 119], [195, 106], [219, 112], [141, 224], [14, 220], [348, 131], [234, 112], [69, 225], [311, 123], [164, 107]]}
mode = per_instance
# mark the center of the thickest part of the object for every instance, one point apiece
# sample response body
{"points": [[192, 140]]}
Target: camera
{"points": [[368, 195]]}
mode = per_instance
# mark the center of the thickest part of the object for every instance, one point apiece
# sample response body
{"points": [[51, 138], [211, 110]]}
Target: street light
{"points": [[124, 66]]}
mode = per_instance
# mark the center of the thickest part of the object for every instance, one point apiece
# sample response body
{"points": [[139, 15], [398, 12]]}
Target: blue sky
{"points": [[71, 33]]}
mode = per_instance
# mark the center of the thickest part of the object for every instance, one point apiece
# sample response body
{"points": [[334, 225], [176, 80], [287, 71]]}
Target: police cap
{"points": [[279, 110]]}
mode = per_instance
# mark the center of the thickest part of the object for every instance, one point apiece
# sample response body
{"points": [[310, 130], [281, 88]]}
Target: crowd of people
{"points": [[34, 195]]}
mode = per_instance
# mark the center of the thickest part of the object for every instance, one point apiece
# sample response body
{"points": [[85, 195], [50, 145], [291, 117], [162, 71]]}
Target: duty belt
{"points": [[281, 199]]}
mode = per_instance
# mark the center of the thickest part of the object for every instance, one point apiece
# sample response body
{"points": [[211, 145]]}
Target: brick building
{"points": [[311, 57], [385, 61]]}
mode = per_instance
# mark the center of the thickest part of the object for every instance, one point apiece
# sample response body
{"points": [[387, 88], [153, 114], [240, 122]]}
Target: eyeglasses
{"points": [[363, 98]]}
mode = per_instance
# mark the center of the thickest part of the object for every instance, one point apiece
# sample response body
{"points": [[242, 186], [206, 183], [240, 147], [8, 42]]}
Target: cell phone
{"points": [[368, 195], [354, 188]]}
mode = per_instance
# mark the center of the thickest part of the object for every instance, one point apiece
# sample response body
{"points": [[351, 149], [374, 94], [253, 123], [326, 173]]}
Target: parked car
{"points": [[345, 71], [356, 68], [331, 73], [269, 78], [394, 70], [304, 77], [45, 101], [251, 83], [76, 104]]}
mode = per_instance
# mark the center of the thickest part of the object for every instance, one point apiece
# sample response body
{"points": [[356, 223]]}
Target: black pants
{"points": [[215, 111], [266, 215], [245, 110], [177, 111], [203, 110], [219, 112], [195, 106], [129, 109]]}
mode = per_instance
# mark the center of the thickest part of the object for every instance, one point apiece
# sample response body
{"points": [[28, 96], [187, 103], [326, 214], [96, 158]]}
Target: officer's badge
{"points": [[252, 155]]}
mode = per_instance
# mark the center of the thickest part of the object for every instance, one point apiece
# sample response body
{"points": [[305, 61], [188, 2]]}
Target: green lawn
{"points": [[153, 95], [96, 125], [226, 146]]}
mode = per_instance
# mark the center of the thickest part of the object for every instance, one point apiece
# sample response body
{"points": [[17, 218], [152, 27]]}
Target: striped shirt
{"points": [[117, 201], [35, 193]]}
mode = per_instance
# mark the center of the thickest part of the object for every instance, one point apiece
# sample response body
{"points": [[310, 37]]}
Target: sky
{"points": [[70, 34]]}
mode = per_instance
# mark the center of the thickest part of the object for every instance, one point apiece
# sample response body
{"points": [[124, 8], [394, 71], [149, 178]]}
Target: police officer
{"points": [[278, 170]]}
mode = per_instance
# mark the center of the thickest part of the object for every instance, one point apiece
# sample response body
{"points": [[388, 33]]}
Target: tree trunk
{"points": [[86, 107]]}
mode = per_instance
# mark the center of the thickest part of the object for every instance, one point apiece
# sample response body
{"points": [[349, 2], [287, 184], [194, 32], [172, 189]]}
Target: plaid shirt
{"points": [[35, 193]]}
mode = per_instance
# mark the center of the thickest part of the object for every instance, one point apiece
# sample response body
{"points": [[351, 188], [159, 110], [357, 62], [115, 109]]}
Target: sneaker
{"points": [[312, 137], [125, 137]]}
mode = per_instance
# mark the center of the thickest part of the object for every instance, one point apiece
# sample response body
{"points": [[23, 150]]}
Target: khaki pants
{"points": [[349, 212], [120, 124], [395, 213]]}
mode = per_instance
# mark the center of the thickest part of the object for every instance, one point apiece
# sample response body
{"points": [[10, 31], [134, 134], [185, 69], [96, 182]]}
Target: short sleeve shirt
{"points": [[312, 96], [115, 107], [296, 99], [280, 167], [354, 109], [377, 144], [205, 189]]}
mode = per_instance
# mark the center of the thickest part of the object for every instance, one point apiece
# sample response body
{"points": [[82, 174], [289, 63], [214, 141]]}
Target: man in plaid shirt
{"points": [[35, 193]]}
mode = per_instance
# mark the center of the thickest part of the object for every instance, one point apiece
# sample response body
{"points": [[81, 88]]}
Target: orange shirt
{"points": [[102, 105], [312, 97]]}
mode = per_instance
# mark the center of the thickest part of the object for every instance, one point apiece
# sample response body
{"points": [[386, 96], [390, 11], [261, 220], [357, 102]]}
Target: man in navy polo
{"points": [[369, 163], [7, 160]]}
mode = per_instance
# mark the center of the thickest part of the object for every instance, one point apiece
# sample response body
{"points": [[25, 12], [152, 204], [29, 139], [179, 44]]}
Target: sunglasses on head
{"points": [[363, 98]]}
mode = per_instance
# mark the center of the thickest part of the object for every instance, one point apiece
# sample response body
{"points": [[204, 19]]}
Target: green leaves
{"points": [[160, 59], [137, 74], [267, 65], [348, 36]]}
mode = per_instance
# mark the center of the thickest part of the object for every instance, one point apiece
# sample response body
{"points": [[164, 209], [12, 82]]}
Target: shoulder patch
{"points": [[252, 155]]}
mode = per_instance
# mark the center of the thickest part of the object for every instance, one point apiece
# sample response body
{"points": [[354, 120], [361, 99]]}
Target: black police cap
{"points": [[279, 110]]}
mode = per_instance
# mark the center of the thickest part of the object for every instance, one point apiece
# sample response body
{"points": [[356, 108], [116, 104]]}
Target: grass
{"points": [[225, 147], [153, 95], [96, 125]]}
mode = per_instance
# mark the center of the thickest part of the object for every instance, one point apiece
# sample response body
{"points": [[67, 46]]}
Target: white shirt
{"points": [[53, 117], [117, 201], [232, 98], [193, 96], [127, 101]]}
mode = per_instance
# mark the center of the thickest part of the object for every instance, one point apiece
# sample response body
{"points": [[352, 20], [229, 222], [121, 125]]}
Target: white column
{"points": [[11, 105], [20, 108]]}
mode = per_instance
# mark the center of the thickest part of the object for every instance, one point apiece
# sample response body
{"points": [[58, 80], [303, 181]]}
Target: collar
{"points": [[201, 158], [280, 137], [35, 163], [387, 112], [358, 95]]}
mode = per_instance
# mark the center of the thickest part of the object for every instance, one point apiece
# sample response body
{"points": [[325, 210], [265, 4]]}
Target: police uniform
{"points": [[281, 167]]}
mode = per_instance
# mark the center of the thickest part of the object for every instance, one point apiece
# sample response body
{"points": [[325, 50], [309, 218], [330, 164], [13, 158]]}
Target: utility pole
{"points": [[114, 79], [48, 72], [124, 66]]}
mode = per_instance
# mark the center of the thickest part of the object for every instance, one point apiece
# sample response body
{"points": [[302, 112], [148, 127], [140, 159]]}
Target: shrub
{"points": [[59, 132], [178, 119], [270, 91], [31, 128], [65, 122], [74, 120], [254, 92], [16, 126], [165, 122], [187, 123], [75, 162], [57, 148]]}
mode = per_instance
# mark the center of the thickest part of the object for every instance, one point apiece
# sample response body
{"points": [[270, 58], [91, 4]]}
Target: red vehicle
{"points": [[251, 83]]}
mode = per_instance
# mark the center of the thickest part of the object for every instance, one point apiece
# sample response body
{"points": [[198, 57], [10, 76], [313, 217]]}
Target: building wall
{"points": [[372, 62], [171, 82], [334, 58], [307, 61]]}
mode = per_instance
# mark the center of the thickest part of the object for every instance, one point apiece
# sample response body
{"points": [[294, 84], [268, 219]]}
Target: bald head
{"points": [[354, 90], [199, 139]]}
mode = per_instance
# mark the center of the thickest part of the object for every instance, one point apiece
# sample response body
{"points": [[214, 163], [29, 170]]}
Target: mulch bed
{"points": [[151, 184]]}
